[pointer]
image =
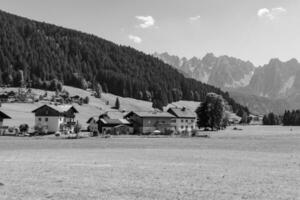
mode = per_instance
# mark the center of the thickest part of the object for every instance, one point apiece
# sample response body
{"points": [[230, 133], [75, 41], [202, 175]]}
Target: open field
{"points": [[256, 163]]}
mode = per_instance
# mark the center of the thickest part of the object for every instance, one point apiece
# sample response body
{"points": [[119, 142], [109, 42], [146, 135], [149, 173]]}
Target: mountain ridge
{"points": [[273, 87]]}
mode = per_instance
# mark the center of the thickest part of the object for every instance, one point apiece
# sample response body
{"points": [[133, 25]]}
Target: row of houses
{"points": [[142, 122], [55, 118], [179, 120]]}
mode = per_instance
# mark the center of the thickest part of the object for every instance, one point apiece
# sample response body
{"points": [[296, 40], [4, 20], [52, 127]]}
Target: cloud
{"points": [[135, 39], [194, 18], [146, 21], [271, 14]]}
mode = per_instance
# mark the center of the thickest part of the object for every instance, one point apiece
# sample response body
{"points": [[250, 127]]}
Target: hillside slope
{"points": [[37, 53], [21, 112]]}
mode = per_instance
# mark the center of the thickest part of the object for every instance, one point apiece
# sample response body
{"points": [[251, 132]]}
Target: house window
{"points": [[182, 121], [182, 127], [192, 120], [186, 127], [186, 121], [46, 119], [40, 119]]}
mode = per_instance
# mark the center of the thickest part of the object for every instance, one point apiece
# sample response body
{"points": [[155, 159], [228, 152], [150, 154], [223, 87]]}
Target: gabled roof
{"points": [[4, 116], [58, 108], [114, 121], [112, 114], [182, 112], [150, 114], [91, 119]]}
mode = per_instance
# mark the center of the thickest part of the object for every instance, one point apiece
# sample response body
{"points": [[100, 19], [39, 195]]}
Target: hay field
{"points": [[256, 163]]}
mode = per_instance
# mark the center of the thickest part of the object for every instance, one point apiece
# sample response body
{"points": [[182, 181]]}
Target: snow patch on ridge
{"points": [[204, 77], [242, 82], [287, 85]]}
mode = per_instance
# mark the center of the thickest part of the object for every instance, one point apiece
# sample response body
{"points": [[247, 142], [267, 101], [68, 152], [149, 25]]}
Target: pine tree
{"points": [[117, 104]]}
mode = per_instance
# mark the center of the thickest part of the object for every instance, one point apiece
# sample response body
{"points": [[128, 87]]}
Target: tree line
{"points": [[46, 56], [289, 118]]}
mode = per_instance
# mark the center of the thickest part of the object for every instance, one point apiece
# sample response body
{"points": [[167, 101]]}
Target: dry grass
{"points": [[257, 163]]}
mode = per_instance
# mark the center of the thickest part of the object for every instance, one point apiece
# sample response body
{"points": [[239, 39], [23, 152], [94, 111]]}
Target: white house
{"points": [[52, 117], [185, 119]]}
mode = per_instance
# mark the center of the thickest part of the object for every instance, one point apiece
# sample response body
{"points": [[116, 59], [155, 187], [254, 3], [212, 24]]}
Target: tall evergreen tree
{"points": [[117, 104]]}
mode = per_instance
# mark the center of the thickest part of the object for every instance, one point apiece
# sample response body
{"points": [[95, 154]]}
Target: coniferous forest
{"points": [[42, 54]]}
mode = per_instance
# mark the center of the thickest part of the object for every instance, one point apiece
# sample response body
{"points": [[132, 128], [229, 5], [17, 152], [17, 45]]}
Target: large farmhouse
{"points": [[52, 117], [150, 121], [185, 119]]}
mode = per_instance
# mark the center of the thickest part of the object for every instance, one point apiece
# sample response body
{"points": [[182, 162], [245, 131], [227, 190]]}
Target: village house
{"points": [[112, 122], [150, 121], [2, 117], [92, 124], [114, 126], [53, 117], [233, 119], [256, 119], [185, 119]]}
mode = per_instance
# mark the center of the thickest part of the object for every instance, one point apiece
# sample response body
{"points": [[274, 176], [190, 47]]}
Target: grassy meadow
{"points": [[256, 163]]}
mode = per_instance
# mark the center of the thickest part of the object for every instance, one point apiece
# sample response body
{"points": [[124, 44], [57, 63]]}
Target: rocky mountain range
{"points": [[222, 72], [273, 87]]}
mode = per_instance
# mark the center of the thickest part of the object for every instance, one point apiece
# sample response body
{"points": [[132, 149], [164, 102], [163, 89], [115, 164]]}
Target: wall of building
{"points": [[185, 124], [152, 124], [52, 123]]}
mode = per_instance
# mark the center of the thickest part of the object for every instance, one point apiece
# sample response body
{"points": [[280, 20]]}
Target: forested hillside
{"points": [[42, 55]]}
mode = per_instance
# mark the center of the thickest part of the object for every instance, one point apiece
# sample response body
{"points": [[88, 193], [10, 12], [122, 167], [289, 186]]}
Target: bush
{"points": [[41, 130], [23, 128], [77, 128], [86, 100]]}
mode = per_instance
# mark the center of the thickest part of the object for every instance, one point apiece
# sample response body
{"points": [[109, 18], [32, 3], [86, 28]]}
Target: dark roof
{"points": [[4, 116], [182, 112], [59, 108], [92, 118], [151, 114], [112, 114]]}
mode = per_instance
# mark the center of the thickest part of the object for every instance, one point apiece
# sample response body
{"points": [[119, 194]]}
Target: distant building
{"points": [[2, 117], [150, 121], [256, 119], [185, 119], [52, 117], [114, 126], [92, 124], [233, 119], [110, 122]]}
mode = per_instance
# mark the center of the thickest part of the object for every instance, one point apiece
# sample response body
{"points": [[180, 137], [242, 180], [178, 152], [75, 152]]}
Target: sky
{"points": [[254, 30]]}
